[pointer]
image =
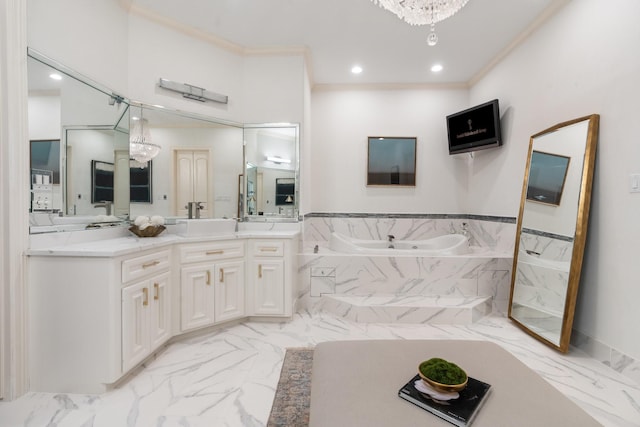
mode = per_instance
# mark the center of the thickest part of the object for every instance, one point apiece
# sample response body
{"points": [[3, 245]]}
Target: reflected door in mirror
{"points": [[192, 181]]}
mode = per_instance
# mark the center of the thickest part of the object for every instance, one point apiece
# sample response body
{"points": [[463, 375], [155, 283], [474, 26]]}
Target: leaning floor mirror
{"points": [[552, 230]]}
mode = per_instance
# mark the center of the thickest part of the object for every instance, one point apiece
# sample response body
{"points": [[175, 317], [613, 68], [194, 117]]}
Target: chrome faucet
{"points": [[390, 238], [106, 204], [193, 209]]}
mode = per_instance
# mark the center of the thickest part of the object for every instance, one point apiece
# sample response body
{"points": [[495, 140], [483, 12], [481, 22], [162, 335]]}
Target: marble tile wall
{"points": [[487, 272], [493, 233]]}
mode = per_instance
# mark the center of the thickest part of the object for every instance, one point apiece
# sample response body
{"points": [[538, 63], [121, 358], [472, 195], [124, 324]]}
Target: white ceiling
{"points": [[341, 33]]}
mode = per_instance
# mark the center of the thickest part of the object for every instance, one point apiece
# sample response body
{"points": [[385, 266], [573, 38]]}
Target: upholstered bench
{"points": [[356, 383]]}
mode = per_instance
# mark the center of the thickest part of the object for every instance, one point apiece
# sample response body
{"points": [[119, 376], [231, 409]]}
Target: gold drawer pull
{"points": [[270, 249], [145, 293], [156, 287], [150, 264], [208, 277], [220, 252], [222, 275], [259, 271]]}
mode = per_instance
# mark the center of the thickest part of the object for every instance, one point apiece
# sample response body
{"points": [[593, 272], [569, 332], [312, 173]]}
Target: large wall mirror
{"points": [[83, 174], [72, 123], [552, 230], [199, 160], [271, 172]]}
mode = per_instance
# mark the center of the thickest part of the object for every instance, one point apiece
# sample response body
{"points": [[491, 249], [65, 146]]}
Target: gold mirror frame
{"points": [[578, 240]]}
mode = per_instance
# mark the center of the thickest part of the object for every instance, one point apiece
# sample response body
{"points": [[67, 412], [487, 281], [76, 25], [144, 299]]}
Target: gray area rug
{"points": [[291, 402]]}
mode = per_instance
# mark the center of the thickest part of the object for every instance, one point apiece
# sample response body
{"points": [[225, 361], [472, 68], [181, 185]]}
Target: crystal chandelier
{"points": [[141, 149], [423, 12]]}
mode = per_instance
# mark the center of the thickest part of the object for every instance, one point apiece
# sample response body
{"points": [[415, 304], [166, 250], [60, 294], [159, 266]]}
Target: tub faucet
{"points": [[104, 204], [390, 238]]}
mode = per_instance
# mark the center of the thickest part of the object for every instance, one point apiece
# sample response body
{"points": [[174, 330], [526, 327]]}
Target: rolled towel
{"points": [[141, 220], [157, 220]]}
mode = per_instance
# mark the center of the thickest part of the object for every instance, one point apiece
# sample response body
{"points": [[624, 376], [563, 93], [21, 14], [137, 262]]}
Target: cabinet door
{"points": [[196, 284], [160, 312], [268, 279], [135, 328], [229, 290]]}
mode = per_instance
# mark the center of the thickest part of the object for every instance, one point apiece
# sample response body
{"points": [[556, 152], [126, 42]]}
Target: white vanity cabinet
{"points": [[272, 269], [93, 318], [146, 306], [212, 282]]}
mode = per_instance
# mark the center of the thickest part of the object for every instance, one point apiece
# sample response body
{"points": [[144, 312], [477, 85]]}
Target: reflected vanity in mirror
{"points": [[552, 228], [271, 171]]}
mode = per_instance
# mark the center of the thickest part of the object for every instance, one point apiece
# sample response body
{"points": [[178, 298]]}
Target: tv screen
{"points": [[476, 128]]}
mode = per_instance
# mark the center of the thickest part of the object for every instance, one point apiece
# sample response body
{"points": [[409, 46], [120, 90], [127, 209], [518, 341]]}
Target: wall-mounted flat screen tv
{"points": [[475, 128]]}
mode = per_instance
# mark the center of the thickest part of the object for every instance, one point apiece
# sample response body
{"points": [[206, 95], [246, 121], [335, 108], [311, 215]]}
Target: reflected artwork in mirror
{"points": [[271, 172], [547, 175], [552, 228]]}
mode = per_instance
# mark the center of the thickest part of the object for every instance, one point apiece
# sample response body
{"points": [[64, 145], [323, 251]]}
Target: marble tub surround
{"points": [[228, 377], [486, 275], [493, 233], [547, 246]]}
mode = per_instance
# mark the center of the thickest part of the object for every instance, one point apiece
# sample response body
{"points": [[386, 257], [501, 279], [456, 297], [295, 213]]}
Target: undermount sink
{"points": [[205, 226]]}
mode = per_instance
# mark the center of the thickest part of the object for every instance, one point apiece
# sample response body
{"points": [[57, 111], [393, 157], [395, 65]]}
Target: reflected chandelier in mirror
{"points": [[552, 230]]}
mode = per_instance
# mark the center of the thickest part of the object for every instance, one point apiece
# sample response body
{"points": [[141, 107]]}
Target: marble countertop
{"points": [[125, 245]]}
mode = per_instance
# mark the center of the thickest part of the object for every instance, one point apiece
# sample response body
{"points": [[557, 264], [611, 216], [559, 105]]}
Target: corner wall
{"points": [[343, 118], [582, 61]]}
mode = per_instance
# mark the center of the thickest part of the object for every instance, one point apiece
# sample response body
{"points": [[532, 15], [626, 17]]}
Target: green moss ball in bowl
{"points": [[442, 375]]}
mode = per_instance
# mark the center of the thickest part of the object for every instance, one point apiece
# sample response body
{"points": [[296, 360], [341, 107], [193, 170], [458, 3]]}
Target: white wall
{"points": [[157, 51], [582, 61], [88, 36], [45, 111], [342, 121]]}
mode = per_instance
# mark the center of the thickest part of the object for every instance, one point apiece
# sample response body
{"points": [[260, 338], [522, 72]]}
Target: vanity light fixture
{"points": [[423, 12], [277, 160], [141, 149], [193, 92], [436, 68], [356, 69]]}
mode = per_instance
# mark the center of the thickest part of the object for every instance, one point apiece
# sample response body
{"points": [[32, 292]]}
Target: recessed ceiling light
{"points": [[55, 76], [356, 69], [436, 68]]}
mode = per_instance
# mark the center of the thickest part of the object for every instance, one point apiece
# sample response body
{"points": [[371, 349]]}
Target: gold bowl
{"points": [[447, 388], [150, 231]]}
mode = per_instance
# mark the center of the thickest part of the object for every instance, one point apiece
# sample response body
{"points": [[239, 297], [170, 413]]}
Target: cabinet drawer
{"points": [[136, 268], [211, 251], [267, 248]]}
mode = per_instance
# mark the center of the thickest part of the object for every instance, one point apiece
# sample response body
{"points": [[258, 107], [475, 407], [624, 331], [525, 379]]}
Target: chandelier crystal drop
{"points": [[423, 12], [141, 149]]}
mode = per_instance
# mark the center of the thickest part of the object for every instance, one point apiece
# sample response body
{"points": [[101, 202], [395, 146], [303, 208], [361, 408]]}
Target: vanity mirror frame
{"points": [[578, 240]]}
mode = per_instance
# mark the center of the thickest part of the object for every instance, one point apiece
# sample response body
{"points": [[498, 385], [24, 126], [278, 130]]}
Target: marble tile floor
{"points": [[227, 377]]}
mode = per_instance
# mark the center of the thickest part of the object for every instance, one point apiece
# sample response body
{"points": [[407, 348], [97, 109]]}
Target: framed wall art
{"points": [[391, 161]]}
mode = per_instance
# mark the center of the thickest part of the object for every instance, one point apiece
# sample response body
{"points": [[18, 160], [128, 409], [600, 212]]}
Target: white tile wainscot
{"points": [[98, 309]]}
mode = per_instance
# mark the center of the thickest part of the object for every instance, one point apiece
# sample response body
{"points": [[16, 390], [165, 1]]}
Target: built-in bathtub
{"points": [[448, 244], [435, 280]]}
